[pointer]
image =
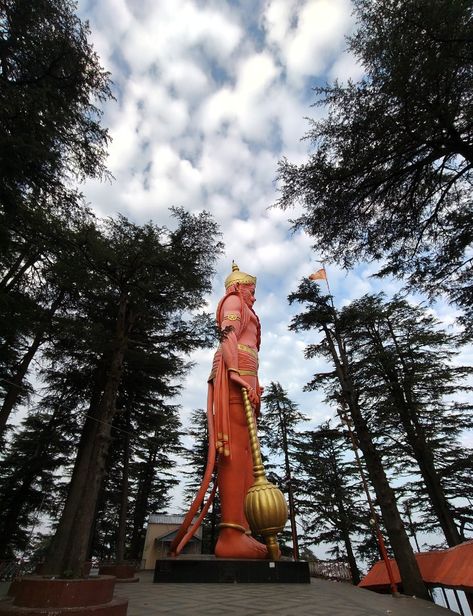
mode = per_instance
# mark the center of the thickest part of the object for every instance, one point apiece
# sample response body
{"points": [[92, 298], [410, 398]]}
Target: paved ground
{"points": [[320, 598]]}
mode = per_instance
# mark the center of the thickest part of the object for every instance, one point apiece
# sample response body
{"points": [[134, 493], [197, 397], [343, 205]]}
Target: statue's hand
{"points": [[252, 393]]}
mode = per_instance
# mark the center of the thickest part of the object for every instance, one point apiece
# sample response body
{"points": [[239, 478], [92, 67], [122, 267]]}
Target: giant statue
{"points": [[249, 503]]}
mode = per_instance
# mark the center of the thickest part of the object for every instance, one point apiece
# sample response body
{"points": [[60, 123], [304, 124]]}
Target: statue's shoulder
{"points": [[231, 302]]}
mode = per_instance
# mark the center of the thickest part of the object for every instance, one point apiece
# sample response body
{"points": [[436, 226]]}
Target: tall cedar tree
{"points": [[138, 424], [320, 314], [278, 424], [331, 498], [149, 377], [51, 84], [391, 168], [402, 366], [132, 278]]}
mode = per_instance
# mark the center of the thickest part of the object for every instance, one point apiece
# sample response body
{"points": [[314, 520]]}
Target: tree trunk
{"points": [[418, 441], [345, 525], [355, 572], [141, 506], [68, 550], [15, 382], [292, 512], [121, 534], [410, 575], [17, 271]]}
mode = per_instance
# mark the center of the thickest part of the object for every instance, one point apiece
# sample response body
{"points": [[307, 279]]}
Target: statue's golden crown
{"points": [[237, 276]]}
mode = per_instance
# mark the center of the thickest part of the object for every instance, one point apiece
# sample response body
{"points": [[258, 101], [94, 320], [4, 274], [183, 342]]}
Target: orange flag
{"points": [[318, 275]]}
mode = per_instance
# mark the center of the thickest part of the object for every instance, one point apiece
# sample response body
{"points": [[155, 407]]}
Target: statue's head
{"points": [[241, 282]]}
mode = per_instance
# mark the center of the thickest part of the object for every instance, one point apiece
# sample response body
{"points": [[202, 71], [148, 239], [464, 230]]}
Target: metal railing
{"points": [[330, 570]]}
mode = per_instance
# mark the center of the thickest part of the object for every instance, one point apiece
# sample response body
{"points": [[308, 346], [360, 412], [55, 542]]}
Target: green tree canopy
{"points": [[331, 501], [50, 78], [391, 168]]}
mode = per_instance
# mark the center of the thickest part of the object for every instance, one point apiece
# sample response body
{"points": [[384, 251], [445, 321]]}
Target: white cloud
{"points": [[346, 67], [206, 107], [308, 34]]}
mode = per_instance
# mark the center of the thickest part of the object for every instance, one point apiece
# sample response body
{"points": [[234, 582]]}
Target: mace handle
{"points": [[258, 468]]}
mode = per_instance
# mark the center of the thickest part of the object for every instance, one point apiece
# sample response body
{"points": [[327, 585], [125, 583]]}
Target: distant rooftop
{"points": [[164, 518]]}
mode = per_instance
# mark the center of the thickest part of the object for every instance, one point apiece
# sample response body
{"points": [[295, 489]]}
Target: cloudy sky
{"points": [[210, 94]]}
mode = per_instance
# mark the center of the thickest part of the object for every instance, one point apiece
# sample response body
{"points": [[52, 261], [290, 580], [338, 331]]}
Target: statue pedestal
{"points": [[211, 570], [34, 595]]}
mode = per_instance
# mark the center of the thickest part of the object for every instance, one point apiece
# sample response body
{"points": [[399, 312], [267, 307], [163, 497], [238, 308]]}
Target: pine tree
{"points": [[30, 472], [50, 133], [196, 457], [331, 499], [35, 294], [402, 365], [321, 315], [278, 427], [134, 280], [49, 125]]}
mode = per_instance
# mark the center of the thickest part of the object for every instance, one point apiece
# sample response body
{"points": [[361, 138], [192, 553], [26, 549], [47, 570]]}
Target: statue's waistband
{"points": [[247, 349], [247, 360]]}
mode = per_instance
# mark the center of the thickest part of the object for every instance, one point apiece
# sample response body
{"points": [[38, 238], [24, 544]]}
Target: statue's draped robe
{"points": [[218, 404]]}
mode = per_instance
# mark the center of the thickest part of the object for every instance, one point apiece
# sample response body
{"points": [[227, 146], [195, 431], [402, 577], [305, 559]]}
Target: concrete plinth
{"points": [[228, 570], [40, 596], [123, 573]]}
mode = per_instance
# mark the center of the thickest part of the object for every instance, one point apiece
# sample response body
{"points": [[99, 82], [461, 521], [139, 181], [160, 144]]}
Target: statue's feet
{"points": [[233, 543]]}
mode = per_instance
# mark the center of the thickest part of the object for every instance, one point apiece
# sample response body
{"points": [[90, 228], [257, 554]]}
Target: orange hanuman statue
{"points": [[235, 366]]}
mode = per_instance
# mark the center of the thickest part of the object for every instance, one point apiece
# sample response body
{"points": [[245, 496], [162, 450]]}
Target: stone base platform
{"points": [[123, 573], [211, 570], [40, 596]]}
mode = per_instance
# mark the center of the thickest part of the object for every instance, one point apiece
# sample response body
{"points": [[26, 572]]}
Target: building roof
{"points": [[168, 537], [164, 518], [451, 568]]}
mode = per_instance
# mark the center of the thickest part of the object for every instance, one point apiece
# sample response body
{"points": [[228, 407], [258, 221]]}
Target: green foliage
{"points": [[402, 367], [135, 289], [280, 419], [331, 499], [31, 471], [390, 173], [49, 124], [278, 430], [51, 82]]}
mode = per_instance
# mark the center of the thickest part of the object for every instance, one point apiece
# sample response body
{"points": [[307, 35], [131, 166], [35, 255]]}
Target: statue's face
{"points": [[248, 294]]}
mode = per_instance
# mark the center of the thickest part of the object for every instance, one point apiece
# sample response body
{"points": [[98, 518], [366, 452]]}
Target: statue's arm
{"points": [[231, 327]]}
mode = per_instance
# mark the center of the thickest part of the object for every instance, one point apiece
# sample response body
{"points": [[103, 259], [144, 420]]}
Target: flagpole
{"points": [[326, 282], [328, 286]]}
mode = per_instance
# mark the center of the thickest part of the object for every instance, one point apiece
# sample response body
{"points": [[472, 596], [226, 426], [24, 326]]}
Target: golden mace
{"points": [[265, 507]]}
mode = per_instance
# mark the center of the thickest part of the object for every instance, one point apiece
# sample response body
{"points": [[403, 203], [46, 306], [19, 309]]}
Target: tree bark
{"points": [[344, 522], [355, 572], [292, 512]]}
